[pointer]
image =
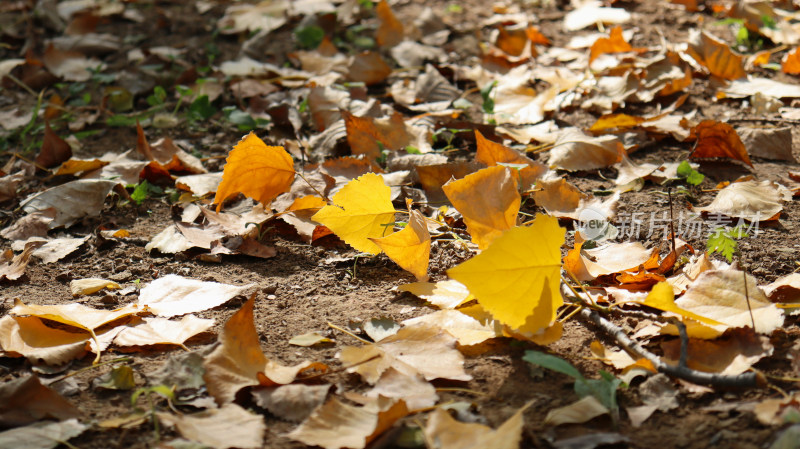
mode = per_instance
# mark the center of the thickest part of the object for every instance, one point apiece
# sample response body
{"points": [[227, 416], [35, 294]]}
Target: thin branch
{"points": [[744, 380]]}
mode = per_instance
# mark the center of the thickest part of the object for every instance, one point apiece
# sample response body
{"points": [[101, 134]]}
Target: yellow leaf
{"points": [[517, 278], [662, 297], [258, 171], [489, 202], [411, 247], [491, 153], [362, 210]]}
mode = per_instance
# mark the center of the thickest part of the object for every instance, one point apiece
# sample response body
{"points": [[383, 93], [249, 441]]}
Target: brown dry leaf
{"points": [[605, 259], [142, 145], [717, 139], [770, 143], [753, 201], [70, 65], [421, 349], [174, 295], [410, 247], [25, 400], [364, 133], [715, 55], [56, 249], [720, 296], [614, 43], [416, 392], [266, 16], [369, 68], [54, 151], [258, 171], [238, 361], [161, 331], [776, 412], [784, 289], [337, 425], [447, 294], [578, 412], [492, 153], [451, 434], [73, 200], [467, 330], [574, 150], [42, 435], [433, 177], [293, 402], [563, 200], [9, 185], [791, 62], [489, 202], [15, 268], [229, 426], [31, 338], [730, 354], [390, 30], [87, 286]]}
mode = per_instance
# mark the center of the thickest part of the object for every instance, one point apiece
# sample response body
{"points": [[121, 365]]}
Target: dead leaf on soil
{"points": [[657, 393], [784, 289], [337, 425], [517, 279], [161, 331], [72, 201], [229, 426], [574, 150], [466, 329], [31, 338], [410, 247], [15, 268], [605, 259], [421, 349], [791, 62], [774, 412], [769, 143], [238, 361], [492, 153], [174, 295], [70, 65], [770, 88], [390, 30], [735, 352], [411, 388], [368, 136], [753, 201], [267, 16], [489, 202], [293, 402], [449, 433], [718, 139], [447, 294], [591, 13], [715, 55], [368, 67], [581, 411], [54, 151], [25, 400], [256, 170], [362, 210], [614, 43], [563, 200], [87, 286], [42, 435]]}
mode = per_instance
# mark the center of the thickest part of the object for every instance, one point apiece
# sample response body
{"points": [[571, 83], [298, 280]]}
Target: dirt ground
{"points": [[304, 288]]}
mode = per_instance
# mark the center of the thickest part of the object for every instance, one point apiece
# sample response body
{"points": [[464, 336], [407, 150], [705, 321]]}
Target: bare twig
{"points": [[744, 380]]}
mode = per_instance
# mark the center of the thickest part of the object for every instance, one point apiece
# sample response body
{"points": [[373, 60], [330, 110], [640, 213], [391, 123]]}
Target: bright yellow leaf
{"points": [[411, 247], [258, 171], [517, 278], [362, 210], [662, 297], [489, 202]]}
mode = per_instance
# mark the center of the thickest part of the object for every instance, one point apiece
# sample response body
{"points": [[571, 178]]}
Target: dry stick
{"points": [[744, 380], [671, 220], [746, 294]]}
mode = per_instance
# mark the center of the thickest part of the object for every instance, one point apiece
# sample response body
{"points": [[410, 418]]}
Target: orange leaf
{"points": [[364, 134], [690, 5], [717, 139], [512, 42], [309, 202], [615, 121], [369, 68], [433, 177], [791, 62], [491, 153], [411, 247], [142, 146], [614, 43], [258, 171], [716, 56], [390, 31], [536, 37], [54, 151], [489, 202]]}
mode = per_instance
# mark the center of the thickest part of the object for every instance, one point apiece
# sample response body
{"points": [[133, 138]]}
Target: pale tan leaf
{"points": [[578, 412], [467, 330], [575, 150], [293, 402], [221, 428], [87, 286], [157, 331], [452, 434], [41, 435], [72, 201], [415, 391], [174, 295], [75, 315], [25, 400], [749, 200], [447, 294]]}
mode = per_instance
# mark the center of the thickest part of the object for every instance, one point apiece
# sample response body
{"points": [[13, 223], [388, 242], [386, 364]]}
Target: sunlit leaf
{"points": [[410, 247]]}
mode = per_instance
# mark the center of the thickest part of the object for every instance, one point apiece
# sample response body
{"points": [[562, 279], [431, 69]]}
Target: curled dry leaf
{"points": [[784, 289], [337, 425], [229, 426], [15, 268], [258, 171], [293, 402], [451, 434], [82, 287], [161, 331], [29, 337], [411, 388], [70, 65], [774, 412], [238, 361], [201, 184], [720, 295], [574, 150], [25, 400], [173, 295], [74, 315], [466, 329], [753, 201], [54, 151], [614, 43], [606, 259], [368, 67], [422, 349], [362, 210], [447, 294], [715, 55], [410, 247], [765, 86], [717, 139], [733, 353], [517, 279], [72, 201], [591, 13], [563, 200], [489, 202]]}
